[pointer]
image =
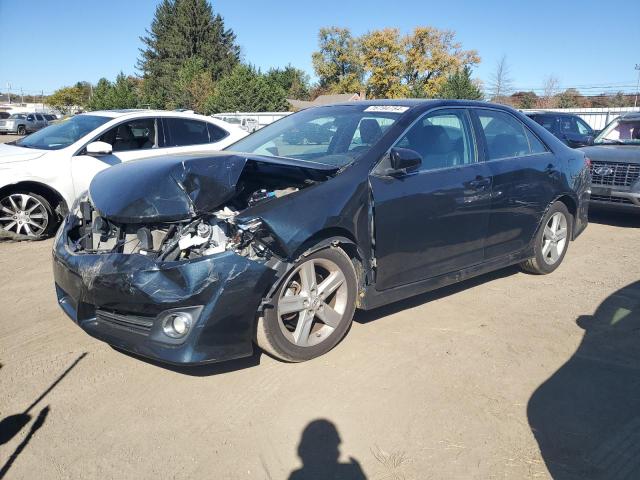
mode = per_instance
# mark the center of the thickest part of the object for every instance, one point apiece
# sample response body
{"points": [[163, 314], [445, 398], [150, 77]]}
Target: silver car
{"points": [[23, 123]]}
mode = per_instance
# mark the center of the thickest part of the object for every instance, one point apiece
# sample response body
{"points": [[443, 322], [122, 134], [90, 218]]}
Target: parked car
{"points": [[23, 123], [50, 117], [615, 164], [188, 259], [42, 174], [4, 115], [569, 128]]}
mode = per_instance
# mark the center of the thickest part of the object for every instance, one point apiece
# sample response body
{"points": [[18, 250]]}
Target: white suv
{"points": [[42, 174]]}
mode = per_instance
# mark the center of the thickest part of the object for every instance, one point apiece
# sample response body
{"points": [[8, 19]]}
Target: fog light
{"points": [[177, 324]]}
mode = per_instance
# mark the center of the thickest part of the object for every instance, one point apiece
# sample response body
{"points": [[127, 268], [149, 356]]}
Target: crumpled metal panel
{"points": [[174, 188], [229, 286]]}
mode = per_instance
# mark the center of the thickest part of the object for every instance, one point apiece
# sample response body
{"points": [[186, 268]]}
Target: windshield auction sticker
{"points": [[386, 108]]}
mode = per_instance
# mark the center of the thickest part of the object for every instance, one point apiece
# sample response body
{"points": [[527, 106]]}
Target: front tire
{"points": [[26, 216], [312, 308], [551, 241], [22, 130]]}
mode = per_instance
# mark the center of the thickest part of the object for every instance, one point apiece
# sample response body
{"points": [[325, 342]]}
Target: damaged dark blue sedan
{"points": [[193, 259]]}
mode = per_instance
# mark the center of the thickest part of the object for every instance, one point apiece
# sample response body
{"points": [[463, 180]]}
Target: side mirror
{"points": [[404, 159], [99, 148]]}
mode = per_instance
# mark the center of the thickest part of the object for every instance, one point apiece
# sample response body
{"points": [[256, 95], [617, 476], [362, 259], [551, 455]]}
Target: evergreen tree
{"points": [[181, 30], [460, 86], [293, 81], [246, 89]]}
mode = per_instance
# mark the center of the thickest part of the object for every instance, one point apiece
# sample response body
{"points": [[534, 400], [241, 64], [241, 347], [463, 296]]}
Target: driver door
{"points": [[432, 221], [130, 140]]}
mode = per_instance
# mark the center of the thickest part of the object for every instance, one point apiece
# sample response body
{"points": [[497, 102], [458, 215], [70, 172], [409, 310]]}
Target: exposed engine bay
{"points": [[204, 233]]}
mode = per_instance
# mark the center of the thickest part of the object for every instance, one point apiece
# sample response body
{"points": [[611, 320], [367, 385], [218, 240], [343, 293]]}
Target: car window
{"points": [[216, 133], [547, 121], [506, 136], [39, 117], [30, 118], [139, 134], [334, 135], [184, 132], [368, 131], [583, 128], [442, 138]]}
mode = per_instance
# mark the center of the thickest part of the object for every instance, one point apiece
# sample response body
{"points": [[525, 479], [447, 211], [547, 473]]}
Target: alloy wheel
{"points": [[23, 214], [313, 302], [554, 238]]}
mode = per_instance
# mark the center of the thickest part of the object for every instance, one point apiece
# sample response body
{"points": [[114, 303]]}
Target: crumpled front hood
{"points": [[11, 153], [613, 153], [174, 188]]}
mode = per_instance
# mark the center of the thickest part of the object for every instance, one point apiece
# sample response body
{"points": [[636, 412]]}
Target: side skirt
{"points": [[374, 298]]}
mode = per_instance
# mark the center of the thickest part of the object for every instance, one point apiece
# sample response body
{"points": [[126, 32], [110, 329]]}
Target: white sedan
{"points": [[42, 174]]}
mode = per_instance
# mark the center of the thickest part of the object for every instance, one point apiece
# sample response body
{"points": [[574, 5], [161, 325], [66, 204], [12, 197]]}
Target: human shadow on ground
{"points": [[319, 450], [10, 426], [586, 416]]}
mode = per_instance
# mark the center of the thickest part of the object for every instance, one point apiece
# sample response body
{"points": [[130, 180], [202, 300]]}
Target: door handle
{"points": [[480, 183]]}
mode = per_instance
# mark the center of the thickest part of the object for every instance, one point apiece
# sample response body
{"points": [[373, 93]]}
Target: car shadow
{"points": [[367, 316], [205, 370], [614, 218], [586, 416]]}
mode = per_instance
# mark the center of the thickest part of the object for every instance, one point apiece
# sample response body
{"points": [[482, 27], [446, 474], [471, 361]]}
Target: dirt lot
{"points": [[8, 138], [437, 387]]}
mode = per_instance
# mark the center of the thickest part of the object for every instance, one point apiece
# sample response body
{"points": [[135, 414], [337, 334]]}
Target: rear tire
{"points": [[22, 130], [312, 308], [551, 241]]}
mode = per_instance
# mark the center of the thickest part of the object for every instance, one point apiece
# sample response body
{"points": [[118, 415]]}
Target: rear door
{"points": [[183, 135], [525, 176], [433, 220]]}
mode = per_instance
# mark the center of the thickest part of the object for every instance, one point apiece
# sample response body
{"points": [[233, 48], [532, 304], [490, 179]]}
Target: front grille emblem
{"points": [[603, 171]]}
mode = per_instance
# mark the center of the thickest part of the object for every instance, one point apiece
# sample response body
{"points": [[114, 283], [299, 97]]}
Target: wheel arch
{"points": [[55, 199], [572, 206]]}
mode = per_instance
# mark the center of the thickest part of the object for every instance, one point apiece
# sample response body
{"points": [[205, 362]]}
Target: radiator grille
{"points": [[614, 174]]}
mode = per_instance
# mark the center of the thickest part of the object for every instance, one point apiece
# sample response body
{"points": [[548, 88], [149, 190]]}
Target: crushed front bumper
{"points": [[120, 299]]}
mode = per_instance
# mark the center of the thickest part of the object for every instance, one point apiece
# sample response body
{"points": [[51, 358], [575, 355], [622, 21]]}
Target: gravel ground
{"points": [[447, 385]]}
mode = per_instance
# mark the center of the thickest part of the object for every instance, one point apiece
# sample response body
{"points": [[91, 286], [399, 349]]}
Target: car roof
{"points": [[419, 102], [142, 112], [630, 116], [547, 112]]}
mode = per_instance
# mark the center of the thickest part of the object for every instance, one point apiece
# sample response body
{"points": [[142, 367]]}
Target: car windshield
{"points": [[620, 131], [334, 135], [61, 135], [19, 116]]}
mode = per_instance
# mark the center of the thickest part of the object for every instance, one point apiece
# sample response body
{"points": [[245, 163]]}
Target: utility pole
{"points": [[9, 92], [635, 102], [21, 95]]}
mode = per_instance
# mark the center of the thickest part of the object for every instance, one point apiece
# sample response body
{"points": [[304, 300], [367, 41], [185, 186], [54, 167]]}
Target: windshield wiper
{"points": [[612, 141]]}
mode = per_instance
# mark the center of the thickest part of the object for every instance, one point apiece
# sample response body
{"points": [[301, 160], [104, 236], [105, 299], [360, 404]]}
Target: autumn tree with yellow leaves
{"points": [[387, 64]]}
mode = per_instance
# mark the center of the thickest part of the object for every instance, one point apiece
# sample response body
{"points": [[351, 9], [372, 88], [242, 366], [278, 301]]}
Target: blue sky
{"points": [[45, 44]]}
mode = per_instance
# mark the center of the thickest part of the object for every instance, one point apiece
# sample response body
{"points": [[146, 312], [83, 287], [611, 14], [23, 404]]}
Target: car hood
{"points": [[176, 188], [12, 153], [613, 153]]}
